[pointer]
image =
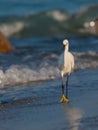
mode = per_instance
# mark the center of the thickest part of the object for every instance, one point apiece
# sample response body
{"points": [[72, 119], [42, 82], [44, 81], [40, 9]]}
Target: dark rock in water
{"points": [[5, 45]]}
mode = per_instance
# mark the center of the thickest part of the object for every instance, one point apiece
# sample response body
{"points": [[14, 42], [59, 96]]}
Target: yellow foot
{"points": [[64, 99]]}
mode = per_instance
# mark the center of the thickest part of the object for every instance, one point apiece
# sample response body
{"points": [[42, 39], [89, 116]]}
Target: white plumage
{"points": [[66, 66]]}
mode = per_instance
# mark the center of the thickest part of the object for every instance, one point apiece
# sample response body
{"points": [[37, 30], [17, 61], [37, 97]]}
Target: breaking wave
{"points": [[19, 75], [46, 69], [50, 23], [11, 28]]}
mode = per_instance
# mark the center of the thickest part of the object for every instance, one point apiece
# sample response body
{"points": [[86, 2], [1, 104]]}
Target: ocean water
{"points": [[36, 29], [36, 105], [29, 76], [17, 7], [39, 18], [36, 59]]}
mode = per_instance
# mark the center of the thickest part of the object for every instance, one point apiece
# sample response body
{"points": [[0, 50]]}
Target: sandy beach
{"points": [[44, 112]]}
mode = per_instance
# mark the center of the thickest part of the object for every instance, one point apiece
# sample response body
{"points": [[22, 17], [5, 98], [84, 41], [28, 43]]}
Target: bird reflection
{"points": [[73, 116]]}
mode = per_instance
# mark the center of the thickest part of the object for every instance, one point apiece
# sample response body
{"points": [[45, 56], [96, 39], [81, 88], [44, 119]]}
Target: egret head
{"points": [[65, 42]]}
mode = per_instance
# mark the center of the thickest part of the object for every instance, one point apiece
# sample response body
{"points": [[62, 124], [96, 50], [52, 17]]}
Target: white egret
{"points": [[66, 65]]}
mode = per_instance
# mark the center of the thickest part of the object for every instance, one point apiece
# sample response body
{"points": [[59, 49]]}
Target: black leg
{"points": [[62, 85], [63, 98], [62, 88], [67, 86]]}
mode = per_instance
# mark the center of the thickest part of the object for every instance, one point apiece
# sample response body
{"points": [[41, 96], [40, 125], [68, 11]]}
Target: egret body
{"points": [[66, 66]]}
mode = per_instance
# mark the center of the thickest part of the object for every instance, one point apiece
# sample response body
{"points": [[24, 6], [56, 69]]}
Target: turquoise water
{"points": [[47, 18], [17, 7]]}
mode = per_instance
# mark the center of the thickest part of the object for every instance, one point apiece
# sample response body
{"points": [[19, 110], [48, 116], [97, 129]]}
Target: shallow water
{"points": [[45, 111]]}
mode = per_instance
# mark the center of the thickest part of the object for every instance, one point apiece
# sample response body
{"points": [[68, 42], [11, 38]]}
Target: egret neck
{"points": [[67, 48], [65, 53]]}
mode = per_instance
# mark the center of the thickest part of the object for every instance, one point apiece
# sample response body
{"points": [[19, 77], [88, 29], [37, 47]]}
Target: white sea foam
{"points": [[86, 60], [45, 70], [22, 74], [58, 15], [9, 29]]}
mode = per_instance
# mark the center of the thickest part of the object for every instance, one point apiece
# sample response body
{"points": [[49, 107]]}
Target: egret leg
{"points": [[67, 87], [63, 98], [62, 88]]}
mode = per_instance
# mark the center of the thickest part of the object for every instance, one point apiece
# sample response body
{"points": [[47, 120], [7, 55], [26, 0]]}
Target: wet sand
{"points": [[46, 113]]}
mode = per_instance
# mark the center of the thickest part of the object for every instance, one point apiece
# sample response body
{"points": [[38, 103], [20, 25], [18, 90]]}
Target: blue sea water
{"points": [[29, 76], [39, 18], [36, 29], [17, 7]]}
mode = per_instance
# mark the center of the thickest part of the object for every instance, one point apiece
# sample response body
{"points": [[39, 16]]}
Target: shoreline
{"points": [[48, 113]]}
